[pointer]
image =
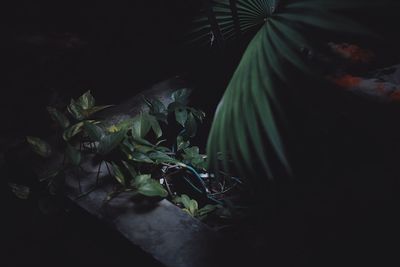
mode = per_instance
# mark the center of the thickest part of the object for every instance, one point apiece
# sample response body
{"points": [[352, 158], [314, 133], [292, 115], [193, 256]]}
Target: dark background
{"points": [[345, 149]]}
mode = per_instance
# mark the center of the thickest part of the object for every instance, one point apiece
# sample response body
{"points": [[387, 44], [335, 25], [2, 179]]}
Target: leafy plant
{"points": [[133, 149], [245, 121]]}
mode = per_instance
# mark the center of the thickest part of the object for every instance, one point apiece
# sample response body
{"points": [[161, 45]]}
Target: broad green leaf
{"points": [[73, 155], [110, 142], [86, 101], [39, 146], [20, 191], [94, 132], [181, 115], [155, 126], [141, 125], [152, 189], [118, 174], [58, 117]]}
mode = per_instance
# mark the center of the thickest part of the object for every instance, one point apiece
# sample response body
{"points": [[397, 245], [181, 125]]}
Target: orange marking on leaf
{"points": [[348, 81]]}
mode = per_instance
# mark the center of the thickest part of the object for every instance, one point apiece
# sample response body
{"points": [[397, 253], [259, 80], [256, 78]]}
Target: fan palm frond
{"points": [[244, 125]]}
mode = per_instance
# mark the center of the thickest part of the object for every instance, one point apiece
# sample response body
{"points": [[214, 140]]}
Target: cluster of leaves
{"points": [[192, 207], [132, 149]]}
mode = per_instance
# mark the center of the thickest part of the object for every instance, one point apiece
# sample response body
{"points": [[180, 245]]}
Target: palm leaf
{"points": [[245, 126]]}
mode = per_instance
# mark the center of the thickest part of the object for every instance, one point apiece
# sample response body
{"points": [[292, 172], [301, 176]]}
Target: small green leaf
{"points": [[206, 210], [118, 174], [73, 155], [76, 110], [185, 200], [58, 117], [181, 115], [39, 146], [86, 101], [193, 207], [181, 143], [20, 191], [73, 130]]}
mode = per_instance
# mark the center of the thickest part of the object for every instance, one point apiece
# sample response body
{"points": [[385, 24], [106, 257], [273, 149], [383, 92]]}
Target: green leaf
{"points": [[160, 157], [155, 126], [73, 131], [73, 155], [141, 125], [141, 179], [118, 174], [95, 133], [39, 146], [152, 189], [58, 117], [206, 210], [149, 187], [181, 95], [20, 191], [110, 142], [86, 101], [181, 143], [76, 110], [181, 115], [191, 125], [190, 205], [140, 157]]}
